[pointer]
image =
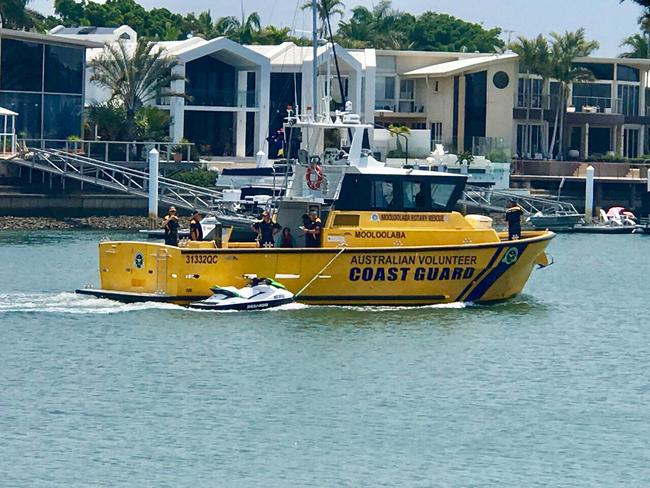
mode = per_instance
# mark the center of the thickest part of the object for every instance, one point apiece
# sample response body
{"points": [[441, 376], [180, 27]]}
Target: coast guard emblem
{"points": [[511, 256], [138, 260]]}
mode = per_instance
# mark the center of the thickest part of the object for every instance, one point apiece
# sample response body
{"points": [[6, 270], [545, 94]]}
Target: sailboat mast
{"points": [[314, 88]]}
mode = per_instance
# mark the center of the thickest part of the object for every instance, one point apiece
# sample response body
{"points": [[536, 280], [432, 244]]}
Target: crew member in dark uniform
{"points": [[312, 229], [266, 230], [196, 231], [513, 217], [170, 226]]}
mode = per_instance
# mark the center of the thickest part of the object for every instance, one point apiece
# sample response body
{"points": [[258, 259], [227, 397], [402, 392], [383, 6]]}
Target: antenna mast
{"points": [[314, 15]]}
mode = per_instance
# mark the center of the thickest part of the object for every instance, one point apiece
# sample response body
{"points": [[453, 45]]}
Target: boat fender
{"points": [[314, 176]]}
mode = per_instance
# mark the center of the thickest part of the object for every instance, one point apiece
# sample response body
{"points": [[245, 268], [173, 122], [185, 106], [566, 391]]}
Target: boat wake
{"points": [[390, 308], [71, 303]]}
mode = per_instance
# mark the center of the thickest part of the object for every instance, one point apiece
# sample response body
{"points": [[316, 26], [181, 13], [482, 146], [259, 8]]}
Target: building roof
{"points": [[222, 47], [630, 61], [290, 56], [46, 38], [450, 68]]}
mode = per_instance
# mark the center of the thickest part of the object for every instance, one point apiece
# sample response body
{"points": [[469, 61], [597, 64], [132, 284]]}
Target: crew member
{"points": [[287, 238], [196, 231], [312, 229], [170, 226], [513, 217], [266, 230]]}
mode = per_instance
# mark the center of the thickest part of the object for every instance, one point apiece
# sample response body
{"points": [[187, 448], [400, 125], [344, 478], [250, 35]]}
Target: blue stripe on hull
{"points": [[499, 270]]}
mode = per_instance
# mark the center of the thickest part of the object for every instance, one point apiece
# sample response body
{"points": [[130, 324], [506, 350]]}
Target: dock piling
{"points": [[154, 158]]}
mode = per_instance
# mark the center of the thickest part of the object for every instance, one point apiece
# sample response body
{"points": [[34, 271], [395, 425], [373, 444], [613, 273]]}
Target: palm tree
{"points": [[16, 15], [565, 48], [381, 28], [135, 76], [534, 57], [398, 131], [326, 8], [644, 20], [243, 31], [639, 46]]}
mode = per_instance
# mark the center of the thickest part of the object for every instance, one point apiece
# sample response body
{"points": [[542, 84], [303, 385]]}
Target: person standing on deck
{"points": [[513, 217], [266, 230], [196, 231], [312, 229], [170, 226]]}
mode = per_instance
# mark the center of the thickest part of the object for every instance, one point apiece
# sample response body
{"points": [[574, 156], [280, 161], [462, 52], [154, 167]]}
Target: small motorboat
{"points": [[259, 294]]}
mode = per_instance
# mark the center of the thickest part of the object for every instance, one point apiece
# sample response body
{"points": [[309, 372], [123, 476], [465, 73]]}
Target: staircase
{"points": [[118, 178]]}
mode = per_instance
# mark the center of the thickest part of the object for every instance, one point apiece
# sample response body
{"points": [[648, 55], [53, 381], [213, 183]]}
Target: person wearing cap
{"points": [[196, 231], [266, 230], [513, 217], [312, 228], [170, 226]]}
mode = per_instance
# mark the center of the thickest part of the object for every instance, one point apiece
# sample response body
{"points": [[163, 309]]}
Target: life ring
{"points": [[314, 183]]}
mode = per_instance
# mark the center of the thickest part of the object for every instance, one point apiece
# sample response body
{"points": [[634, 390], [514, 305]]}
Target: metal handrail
{"points": [[120, 178], [86, 145], [496, 200]]}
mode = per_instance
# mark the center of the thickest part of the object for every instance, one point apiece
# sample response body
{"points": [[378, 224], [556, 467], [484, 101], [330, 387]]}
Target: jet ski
{"points": [[259, 294]]}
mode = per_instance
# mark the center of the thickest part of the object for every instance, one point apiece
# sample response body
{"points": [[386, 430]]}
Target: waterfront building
{"points": [[608, 115], [42, 78], [238, 95]]}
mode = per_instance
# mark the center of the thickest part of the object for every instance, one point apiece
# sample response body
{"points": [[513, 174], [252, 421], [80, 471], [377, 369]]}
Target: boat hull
{"points": [[418, 275]]}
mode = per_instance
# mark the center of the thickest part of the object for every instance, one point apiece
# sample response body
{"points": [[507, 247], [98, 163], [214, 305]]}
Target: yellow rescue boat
{"points": [[390, 237]]}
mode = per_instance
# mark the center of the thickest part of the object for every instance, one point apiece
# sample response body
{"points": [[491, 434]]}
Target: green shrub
{"points": [[197, 177]]}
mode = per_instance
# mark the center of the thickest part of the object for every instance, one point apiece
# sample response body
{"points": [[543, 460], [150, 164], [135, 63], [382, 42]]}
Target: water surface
{"points": [[549, 389]]}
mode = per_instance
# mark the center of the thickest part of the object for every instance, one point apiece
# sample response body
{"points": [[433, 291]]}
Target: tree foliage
{"points": [[381, 27], [638, 46], [384, 27], [135, 76], [556, 60]]}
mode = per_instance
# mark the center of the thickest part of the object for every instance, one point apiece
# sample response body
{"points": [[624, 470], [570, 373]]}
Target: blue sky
{"points": [[606, 21]]}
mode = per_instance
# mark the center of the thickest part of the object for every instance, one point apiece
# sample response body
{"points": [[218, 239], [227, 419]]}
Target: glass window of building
{"points": [[529, 93], [592, 97], [603, 71], [61, 116], [28, 106], [64, 69], [631, 143], [628, 98], [436, 132], [385, 93], [386, 63], [627, 73], [211, 82], [21, 65], [529, 140]]}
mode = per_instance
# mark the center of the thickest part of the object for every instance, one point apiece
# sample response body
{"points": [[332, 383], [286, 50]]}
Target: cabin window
{"points": [[414, 195], [440, 195], [383, 195]]}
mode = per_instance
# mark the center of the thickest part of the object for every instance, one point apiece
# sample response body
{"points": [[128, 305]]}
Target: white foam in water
{"points": [[388, 308], [71, 303]]}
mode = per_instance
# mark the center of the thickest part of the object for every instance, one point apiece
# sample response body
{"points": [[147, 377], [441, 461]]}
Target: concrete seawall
{"points": [[82, 205]]}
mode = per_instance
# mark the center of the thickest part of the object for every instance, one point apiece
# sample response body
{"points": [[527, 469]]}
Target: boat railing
{"points": [[497, 201]]}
